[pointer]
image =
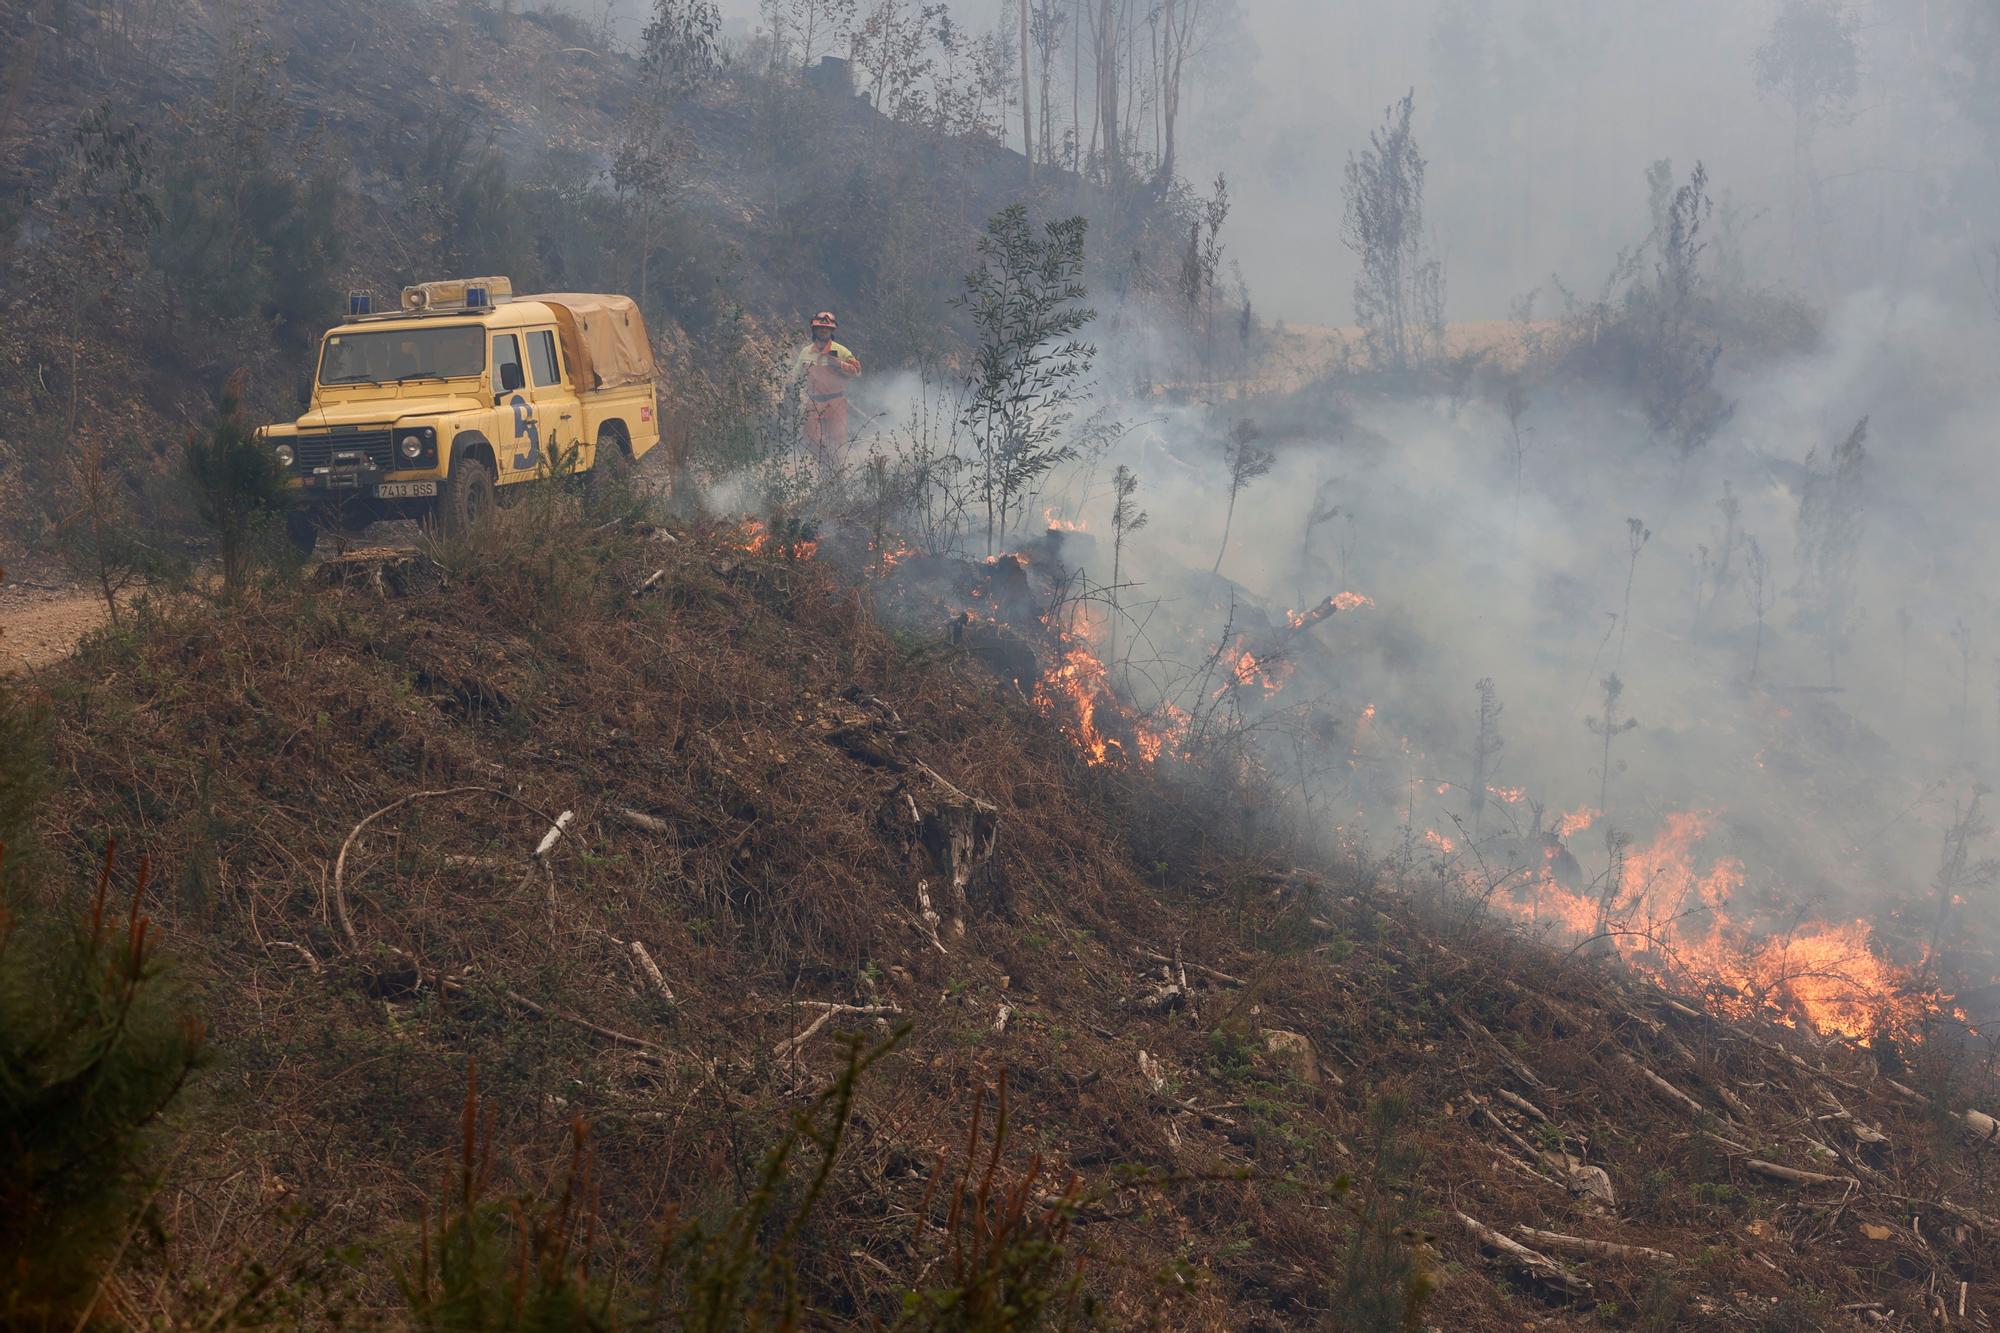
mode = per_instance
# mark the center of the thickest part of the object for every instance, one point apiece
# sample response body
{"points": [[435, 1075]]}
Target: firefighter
{"points": [[825, 367]]}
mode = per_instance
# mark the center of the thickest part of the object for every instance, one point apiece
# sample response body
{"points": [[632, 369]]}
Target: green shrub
{"points": [[238, 490], [95, 1044]]}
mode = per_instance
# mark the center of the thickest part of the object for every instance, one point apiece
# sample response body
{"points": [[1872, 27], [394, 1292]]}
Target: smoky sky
{"points": [[1538, 119]]}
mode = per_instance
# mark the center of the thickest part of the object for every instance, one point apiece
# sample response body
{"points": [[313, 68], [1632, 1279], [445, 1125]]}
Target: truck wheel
{"points": [[610, 473], [466, 497], [302, 528]]}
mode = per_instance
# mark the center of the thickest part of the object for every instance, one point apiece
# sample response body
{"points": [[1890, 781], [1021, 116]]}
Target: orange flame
{"points": [[753, 538], [1574, 822], [1669, 919]]}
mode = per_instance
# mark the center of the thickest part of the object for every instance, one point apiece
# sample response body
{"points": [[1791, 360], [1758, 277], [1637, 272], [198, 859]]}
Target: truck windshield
{"points": [[393, 355]]}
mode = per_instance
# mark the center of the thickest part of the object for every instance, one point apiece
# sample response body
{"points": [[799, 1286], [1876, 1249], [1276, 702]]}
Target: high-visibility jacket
{"points": [[826, 373]]}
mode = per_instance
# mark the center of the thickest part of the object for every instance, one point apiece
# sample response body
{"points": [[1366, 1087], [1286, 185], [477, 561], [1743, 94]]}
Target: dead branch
{"points": [[791, 1046], [1521, 1104], [651, 579], [1583, 1247], [1791, 1175], [651, 970], [1666, 1089], [1513, 1062], [340, 861], [1726, 1142], [1222, 978], [548, 1011], [554, 835], [312, 959], [1509, 1160], [1908, 1092], [1737, 1106], [1537, 1267], [1496, 1122], [1971, 1218]]}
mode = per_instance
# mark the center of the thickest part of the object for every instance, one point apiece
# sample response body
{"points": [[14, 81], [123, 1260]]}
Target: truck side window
{"points": [[506, 351], [542, 357]]}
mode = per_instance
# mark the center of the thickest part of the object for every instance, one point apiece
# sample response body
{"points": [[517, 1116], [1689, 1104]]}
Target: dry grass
{"points": [[241, 750]]}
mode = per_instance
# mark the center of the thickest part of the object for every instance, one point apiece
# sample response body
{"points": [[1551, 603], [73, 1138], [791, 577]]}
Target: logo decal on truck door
{"points": [[525, 428]]}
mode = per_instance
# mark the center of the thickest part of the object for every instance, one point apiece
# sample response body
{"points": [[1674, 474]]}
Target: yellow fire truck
{"points": [[423, 411]]}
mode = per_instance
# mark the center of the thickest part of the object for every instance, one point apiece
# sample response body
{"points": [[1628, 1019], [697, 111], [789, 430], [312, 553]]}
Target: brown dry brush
{"points": [[779, 867], [767, 880]]}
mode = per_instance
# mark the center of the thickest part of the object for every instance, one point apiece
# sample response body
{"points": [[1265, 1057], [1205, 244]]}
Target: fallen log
{"points": [[1536, 1267], [1982, 1128], [1584, 1247]]}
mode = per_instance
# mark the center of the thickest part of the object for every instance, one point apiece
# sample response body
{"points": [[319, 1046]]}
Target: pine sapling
{"points": [[1126, 519], [1608, 726], [1246, 460]]}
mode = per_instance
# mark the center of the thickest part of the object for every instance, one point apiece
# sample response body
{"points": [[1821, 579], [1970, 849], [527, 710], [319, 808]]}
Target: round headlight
{"points": [[413, 445], [284, 453]]}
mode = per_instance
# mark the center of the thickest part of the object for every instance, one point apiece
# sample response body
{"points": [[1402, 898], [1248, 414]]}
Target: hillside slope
{"points": [[1282, 1091]]}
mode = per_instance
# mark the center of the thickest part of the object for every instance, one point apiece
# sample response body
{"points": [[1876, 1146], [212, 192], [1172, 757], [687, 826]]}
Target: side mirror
{"points": [[511, 378]]}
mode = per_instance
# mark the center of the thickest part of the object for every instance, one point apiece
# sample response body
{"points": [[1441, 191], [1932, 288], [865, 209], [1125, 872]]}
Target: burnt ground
{"points": [[767, 789]]}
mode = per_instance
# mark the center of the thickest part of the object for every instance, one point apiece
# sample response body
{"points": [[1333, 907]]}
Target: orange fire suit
{"points": [[825, 375]]}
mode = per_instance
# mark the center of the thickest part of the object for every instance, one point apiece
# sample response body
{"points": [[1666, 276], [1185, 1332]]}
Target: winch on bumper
{"points": [[356, 462]]}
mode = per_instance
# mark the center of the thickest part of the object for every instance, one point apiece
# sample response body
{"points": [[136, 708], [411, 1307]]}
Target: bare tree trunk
{"points": [[1107, 85], [1027, 99], [1170, 82], [1076, 82]]}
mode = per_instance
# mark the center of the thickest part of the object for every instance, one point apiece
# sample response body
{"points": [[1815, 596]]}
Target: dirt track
{"points": [[41, 623]]}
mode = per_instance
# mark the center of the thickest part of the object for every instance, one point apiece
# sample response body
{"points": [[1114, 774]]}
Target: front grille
{"points": [[317, 451]]}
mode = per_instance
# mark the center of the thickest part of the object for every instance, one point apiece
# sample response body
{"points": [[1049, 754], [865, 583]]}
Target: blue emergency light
{"points": [[475, 297], [359, 303]]}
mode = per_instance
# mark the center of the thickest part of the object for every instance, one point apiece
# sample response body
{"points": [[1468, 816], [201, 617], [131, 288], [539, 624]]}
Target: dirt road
{"points": [[40, 623]]}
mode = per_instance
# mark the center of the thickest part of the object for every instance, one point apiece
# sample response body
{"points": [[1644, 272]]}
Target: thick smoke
{"points": [[1499, 545]]}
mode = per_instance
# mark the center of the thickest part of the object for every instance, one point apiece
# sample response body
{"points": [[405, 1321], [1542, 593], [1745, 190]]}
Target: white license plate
{"points": [[404, 490]]}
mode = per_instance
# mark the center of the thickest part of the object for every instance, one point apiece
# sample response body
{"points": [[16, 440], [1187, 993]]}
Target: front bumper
{"points": [[339, 464]]}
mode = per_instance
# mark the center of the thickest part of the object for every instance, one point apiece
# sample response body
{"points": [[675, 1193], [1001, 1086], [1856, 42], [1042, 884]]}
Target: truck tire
{"points": [[467, 496], [302, 529], [610, 467]]}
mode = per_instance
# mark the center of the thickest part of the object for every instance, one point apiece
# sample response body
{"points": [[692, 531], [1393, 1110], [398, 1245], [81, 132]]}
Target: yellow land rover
{"points": [[423, 411]]}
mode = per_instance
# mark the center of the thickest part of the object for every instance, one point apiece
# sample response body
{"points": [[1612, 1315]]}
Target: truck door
{"points": [[555, 405], [518, 438]]}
